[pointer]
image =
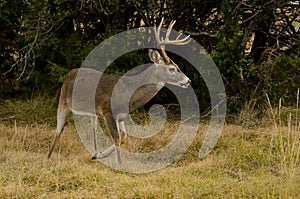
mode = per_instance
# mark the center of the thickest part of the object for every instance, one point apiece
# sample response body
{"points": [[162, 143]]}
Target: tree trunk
{"points": [[261, 38]]}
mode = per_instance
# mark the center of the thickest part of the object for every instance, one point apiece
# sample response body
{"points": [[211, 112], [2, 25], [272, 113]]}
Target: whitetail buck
{"points": [[162, 71]]}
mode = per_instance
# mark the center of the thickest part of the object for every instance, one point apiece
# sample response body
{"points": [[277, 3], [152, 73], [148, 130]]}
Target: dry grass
{"points": [[246, 163]]}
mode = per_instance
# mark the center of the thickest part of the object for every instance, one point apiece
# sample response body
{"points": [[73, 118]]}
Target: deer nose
{"points": [[188, 82]]}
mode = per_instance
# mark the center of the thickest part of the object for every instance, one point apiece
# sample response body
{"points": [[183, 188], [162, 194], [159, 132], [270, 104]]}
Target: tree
{"points": [[254, 43]]}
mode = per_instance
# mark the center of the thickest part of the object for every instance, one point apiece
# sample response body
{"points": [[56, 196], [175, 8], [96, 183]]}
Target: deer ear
{"points": [[154, 56]]}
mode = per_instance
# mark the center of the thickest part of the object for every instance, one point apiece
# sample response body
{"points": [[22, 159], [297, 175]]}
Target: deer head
{"points": [[167, 70]]}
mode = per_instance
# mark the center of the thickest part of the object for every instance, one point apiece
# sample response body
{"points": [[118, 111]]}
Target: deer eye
{"points": [[172, 69]]}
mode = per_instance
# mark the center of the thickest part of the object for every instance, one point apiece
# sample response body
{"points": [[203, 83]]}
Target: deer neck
{"points": [[150, 76], [149, 87]]}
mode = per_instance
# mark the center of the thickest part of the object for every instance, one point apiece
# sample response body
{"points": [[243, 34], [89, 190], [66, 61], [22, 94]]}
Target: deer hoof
{"points": [[97, 156]]}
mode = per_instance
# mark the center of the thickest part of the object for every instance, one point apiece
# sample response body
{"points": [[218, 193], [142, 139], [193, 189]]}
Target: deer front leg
{"points": [[105, 153], [123, 132], [94, 121], [112, 148], [113, 127]]}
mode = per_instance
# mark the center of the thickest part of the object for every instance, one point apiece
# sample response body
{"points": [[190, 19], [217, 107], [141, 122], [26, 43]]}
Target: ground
{"points": [[257, 162]]}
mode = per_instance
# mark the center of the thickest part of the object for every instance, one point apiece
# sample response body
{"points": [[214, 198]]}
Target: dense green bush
{"points": [[41, 41], [278, 76]]}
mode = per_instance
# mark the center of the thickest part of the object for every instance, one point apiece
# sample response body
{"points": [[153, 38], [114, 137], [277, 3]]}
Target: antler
{"points": [[161, 43]]}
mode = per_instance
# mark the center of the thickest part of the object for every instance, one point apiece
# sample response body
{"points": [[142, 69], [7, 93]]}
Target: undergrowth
{"points": [[249, 161]]}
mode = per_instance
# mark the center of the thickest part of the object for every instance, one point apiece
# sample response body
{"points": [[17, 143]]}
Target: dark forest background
{"points": [[255, 44]]}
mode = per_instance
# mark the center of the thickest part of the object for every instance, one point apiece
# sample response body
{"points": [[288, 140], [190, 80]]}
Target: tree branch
{"points": [[199, 33], [142, 15]]}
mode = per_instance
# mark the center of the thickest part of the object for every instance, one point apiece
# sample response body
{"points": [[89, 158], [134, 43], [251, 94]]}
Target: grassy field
{"points": [[257, 162]]}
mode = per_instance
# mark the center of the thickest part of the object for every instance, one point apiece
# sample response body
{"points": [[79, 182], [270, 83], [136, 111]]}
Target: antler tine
{"points": [[179, 35], [160, 43], [157, 32], [177, 41], [161, 23], [170, 29], [183, 41]]}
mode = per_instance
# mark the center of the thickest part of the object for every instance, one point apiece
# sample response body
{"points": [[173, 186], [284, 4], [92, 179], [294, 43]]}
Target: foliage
{"points": [[278, 76], [40, 110], [254, 43]]}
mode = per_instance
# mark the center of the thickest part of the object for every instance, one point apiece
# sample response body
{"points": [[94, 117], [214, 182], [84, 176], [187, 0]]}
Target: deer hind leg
{"points": [[113, 127], [61, 121]]}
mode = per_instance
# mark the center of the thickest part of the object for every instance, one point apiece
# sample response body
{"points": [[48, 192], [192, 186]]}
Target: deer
{"points": [[162, 71]]}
